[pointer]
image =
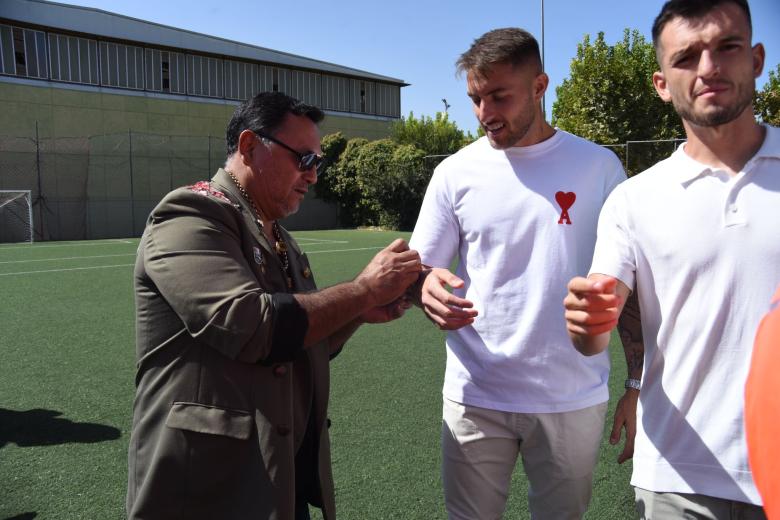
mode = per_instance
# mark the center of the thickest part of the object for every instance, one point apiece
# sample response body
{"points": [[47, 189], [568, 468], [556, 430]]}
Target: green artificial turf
{"points": [[67, 385]]}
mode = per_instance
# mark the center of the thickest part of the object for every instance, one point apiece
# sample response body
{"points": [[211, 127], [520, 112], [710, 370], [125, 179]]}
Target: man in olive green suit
{"points": [[234, 340]]}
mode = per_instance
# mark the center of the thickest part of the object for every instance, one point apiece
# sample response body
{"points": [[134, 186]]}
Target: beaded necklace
{"points": [[280, 246]]}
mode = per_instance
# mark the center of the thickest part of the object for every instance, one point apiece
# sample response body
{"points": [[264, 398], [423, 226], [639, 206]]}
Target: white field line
{"points": [[310, 241], [320, 241], [77, 244], [345, 250], [131, 265], [64, 258], [133, 254], [69, 269]]}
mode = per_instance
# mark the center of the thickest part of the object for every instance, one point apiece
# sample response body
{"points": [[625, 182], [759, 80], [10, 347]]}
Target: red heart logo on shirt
{"points": [[565, 200]]}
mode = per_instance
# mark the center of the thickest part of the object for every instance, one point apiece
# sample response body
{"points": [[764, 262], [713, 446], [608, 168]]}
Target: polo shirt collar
{"points": [[686, 167], [771, 147], [689, 169]]}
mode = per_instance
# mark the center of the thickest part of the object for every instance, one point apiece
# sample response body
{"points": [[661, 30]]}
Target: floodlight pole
{"points": [[544, 105]]}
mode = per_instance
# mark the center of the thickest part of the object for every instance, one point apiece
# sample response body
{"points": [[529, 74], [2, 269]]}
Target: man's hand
{"points": [[443, 308], [390, 272], [388, 312], [336, 312], [592, 307], [625, 418]]}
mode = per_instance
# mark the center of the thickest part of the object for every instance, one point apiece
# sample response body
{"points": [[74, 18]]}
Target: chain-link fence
{"points": [[105, 186], [636, 156], [102, 186], [641, 155]]}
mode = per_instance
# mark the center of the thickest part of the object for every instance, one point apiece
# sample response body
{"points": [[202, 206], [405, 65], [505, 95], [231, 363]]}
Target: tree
{"points": [[767, 100], [609, 97], [340, 183], [393, 179], [435, 136], [333, 146], [373, 176], [383, 182]]}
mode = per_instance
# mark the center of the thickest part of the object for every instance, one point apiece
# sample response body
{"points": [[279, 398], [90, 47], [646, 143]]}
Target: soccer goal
{"points": [[16, 217]]}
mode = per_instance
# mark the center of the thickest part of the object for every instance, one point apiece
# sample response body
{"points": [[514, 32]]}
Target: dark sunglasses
{"points": [[306, 161]]}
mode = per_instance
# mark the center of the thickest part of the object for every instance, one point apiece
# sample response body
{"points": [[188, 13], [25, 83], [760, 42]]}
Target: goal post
{"points": [[16, 216]]}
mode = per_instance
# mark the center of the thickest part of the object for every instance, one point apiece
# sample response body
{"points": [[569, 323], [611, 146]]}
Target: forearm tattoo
{"points": [[630, 330]]}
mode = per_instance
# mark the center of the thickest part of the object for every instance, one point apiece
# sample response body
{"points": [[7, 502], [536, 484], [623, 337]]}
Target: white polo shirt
{"points": [[521, 222], [704, 249]]}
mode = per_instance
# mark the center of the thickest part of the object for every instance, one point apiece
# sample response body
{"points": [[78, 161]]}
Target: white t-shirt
{"points": [[704, 248], [522, 222]]}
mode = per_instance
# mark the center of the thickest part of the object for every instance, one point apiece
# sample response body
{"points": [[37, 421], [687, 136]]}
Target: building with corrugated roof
{"points": [[71, 74]]}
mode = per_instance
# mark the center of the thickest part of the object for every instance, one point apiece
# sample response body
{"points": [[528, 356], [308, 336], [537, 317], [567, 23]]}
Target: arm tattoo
{"points": [[630, 329]]}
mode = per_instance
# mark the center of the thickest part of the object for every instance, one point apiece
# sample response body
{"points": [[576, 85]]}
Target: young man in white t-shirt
{"points": [[519, 209], [698, 233]]}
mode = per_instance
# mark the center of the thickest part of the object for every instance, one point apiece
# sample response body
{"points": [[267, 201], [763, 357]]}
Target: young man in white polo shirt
{"points": [[698, 234], [519, 209]]}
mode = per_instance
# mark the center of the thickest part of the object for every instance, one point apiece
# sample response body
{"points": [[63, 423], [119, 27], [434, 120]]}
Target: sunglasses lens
{"points": [[310, 161]]}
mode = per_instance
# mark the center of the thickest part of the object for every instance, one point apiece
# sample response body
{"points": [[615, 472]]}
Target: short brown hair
{"points": [[509, 45]]}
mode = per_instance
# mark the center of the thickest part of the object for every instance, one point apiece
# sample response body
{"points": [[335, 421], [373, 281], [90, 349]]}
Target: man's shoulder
{"points": [[201, 196], [207, 189], [771, 145], [657, 177], [581, 146], [456, 169], [201, 190], [475, 149]]}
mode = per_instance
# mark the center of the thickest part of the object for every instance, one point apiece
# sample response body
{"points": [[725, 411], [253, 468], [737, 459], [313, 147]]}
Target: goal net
{"points": [[16, 221]]}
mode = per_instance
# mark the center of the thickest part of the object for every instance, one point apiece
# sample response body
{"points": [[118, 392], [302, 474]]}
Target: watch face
{"points": [[633, 383]]}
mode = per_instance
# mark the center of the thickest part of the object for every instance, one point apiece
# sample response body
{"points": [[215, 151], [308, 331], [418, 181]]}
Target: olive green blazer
{"points": [[224, 388]]}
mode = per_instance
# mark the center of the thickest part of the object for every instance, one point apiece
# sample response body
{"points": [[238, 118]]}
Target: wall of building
{"points": [[63, 112], [102, 159]]}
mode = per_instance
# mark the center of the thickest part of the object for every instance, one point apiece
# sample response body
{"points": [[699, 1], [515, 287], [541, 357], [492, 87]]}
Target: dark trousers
{"points": [[302, 510]]}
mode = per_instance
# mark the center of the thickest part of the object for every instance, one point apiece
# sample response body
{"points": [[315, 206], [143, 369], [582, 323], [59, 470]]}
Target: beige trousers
{"points": [[480, 449], [660, 506]]}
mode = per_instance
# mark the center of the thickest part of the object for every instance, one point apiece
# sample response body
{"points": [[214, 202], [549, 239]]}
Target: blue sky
{"points": [[419, 41]]}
